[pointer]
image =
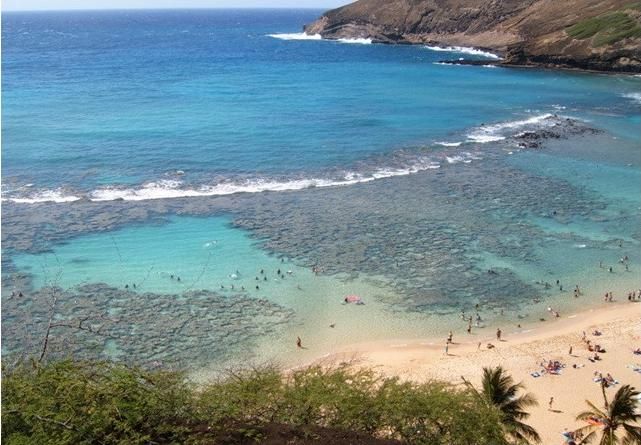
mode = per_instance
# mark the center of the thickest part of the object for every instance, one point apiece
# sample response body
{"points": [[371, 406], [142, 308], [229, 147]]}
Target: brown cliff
{"points": [[603, 35]]}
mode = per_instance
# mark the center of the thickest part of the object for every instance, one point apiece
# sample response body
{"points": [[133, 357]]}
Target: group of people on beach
{"points": [[595, 348]]}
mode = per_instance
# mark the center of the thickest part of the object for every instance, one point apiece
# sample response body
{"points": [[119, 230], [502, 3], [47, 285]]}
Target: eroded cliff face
{"points": [[601, 35]]}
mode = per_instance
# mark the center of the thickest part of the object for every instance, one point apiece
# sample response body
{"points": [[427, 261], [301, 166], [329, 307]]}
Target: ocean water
{"points": [[143, 146]]}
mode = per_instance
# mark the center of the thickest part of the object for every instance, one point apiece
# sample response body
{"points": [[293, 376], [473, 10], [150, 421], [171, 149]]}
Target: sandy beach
{"points": [[521, 352]]}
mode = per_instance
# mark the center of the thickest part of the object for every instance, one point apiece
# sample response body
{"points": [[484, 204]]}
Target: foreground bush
{"points": [[104, 403], [72, 403]]}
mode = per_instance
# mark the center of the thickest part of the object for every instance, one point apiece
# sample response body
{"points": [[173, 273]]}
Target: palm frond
{"points": [[524, 432], [588, 432], [632, 435]]}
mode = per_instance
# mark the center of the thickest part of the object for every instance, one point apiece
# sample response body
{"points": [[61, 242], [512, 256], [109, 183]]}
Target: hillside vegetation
{"points": [[104, 403], [606, 29]]}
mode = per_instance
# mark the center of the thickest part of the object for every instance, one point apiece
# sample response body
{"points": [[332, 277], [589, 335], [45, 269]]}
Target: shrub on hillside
{"points": [[105, 403]]}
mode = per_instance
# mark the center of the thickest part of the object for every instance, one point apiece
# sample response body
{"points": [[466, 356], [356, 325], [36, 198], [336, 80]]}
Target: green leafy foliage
{"points": [[77, 402], [607, 28], [104, 403]]}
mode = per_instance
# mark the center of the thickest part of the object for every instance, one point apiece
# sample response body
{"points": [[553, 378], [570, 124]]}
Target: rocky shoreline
{"points": [[603, 36]]}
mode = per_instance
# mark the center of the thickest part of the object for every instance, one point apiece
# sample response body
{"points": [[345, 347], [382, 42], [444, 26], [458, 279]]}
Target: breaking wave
{"points": [[304, 36], [502, 130], [168, 189], [464, 50], [448, 144], [296, 36], [634, 96], [361, 41], [38, 196], [400, 163]]}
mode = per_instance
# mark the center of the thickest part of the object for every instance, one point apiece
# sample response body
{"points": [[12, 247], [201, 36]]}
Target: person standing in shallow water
{"points": [[299, 343]]}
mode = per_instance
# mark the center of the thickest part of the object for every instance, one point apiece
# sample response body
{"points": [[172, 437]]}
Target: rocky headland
{"points": [[601, 35]]}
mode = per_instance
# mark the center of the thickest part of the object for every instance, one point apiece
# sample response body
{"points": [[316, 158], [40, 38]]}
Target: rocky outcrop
{"points": [[602, 35]]}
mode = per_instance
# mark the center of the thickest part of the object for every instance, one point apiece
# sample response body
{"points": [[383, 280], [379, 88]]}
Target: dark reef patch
{"points": [[192, 329]]}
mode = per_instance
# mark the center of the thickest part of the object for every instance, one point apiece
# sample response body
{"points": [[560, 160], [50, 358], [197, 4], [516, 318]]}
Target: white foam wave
{"points": [[168, 189], [57, 195], [390, 172], [359, 41], [464, 50], [171, 189], [634, 96], [296, 36], [449, 144], [484, 138], [454, 159], [493, 133], [304, 36]]}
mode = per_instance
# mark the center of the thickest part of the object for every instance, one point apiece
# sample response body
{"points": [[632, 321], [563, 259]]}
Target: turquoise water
{"points": [[145, 146], [206, 253], [122, 101]]}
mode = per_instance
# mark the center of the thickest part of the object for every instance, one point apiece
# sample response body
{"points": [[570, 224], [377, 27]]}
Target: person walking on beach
{"points": [[447, 348], [498, 334], [299, 343], [550, 403], [570, 350], [449, 337]]}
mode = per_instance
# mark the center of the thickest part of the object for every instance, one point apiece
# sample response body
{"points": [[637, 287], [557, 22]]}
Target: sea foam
{"points": [[361, 41], [464, 50], [296, 36], [495, 132], [634, 96], [168, 190], [304, 36], [448, 144], [57, 195], [174, 188]]}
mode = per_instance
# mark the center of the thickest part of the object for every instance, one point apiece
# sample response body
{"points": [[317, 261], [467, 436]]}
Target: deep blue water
{"points": [[121, 99]]}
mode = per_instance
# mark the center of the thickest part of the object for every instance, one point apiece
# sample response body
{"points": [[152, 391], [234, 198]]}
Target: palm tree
{"points": [[500, 391], [620, 414]]}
